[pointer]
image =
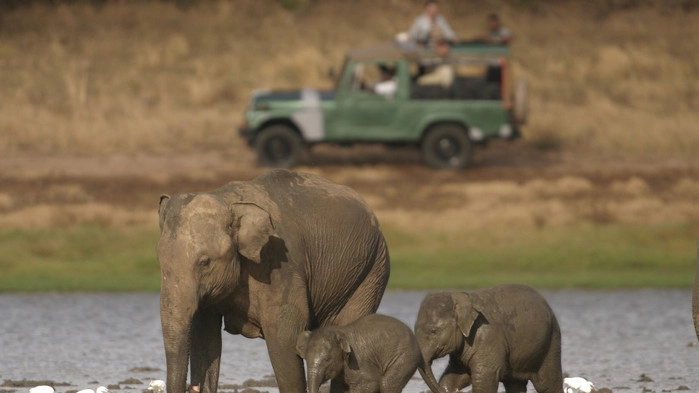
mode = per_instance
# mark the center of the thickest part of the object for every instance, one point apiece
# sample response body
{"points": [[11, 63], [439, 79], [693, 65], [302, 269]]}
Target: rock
{"points": [[644, 378], [113, 386], [28, 383], [256, 383], [682, 387], [131, 381], [144, 369], [603, 390]]}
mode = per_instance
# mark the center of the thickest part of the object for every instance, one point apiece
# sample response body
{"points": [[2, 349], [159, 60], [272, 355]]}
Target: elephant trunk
{"points": [[695, 297], [315, 379], [176, 317], [427, 375]]}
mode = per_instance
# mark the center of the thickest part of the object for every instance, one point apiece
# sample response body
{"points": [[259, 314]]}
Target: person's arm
{"points": [[447, 31], [505, 35], [414, 31]]}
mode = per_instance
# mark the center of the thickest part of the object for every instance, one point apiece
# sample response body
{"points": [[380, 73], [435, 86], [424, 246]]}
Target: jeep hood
{"points": [[290, 95]]}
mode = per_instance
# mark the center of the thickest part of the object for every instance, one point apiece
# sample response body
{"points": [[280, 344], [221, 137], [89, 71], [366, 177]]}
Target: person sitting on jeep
{"points": [[387, 85], [497, 33], [431, 26], [443, 72]]}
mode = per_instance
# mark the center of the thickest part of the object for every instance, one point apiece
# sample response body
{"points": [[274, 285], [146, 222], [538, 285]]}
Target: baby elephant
{"points": [[506, 334], [375, 353]]}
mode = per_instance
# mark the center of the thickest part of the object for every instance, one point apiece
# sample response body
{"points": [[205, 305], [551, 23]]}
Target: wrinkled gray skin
{"points": [[268, 258], [373, 354], [695, 297], [507, 334]]}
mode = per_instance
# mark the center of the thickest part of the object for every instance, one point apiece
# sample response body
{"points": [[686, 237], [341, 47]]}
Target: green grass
{"points": [[92, 258], [611, 256], [88, 258]]}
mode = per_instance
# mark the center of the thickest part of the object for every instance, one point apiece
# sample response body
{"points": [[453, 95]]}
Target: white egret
{"points": [[157, 386], [100, 389], [41, 389], [577, 385]]}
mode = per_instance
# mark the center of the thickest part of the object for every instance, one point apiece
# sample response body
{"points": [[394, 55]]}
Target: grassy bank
{"points": [[607, 78], [90, 258]]}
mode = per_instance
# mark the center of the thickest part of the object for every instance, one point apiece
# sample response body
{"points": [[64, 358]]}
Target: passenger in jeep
{"points": [[497, 33], [431, 26], [442, 73], [387, 85]]}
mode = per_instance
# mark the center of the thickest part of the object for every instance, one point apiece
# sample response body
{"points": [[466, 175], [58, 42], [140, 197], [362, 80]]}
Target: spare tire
{"points": [[520, 107]]}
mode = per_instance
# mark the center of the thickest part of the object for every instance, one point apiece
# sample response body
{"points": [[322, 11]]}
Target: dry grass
{"points": [[149, 77]]}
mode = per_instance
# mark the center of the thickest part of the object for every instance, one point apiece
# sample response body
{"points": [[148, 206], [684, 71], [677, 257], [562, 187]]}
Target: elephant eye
{"points": [[204, 261], [433, 330]]}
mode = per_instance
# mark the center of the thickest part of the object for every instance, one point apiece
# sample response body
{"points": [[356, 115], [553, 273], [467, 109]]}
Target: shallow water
{"points": [[609, 337]]}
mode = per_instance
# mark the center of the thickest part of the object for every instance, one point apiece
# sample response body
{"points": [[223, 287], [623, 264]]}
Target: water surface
{"points": [[610, 337]]}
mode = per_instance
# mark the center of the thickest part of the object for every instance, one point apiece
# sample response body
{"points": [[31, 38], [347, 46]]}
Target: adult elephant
{"points": [[269, 258]]}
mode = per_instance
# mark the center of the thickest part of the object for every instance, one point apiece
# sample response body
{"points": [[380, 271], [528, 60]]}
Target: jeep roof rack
{"points": [[388, 51]]}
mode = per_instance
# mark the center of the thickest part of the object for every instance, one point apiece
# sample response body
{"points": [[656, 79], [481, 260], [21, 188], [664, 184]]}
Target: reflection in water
{"points": [[609, 337]]}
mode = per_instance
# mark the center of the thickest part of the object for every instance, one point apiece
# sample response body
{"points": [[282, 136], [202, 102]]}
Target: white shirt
{"points": [[421, 30], [386, 88]]}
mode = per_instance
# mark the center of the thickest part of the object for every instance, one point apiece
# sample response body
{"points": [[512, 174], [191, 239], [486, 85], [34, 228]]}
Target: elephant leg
{"points": [[549, 378], [205, 351], [395, 378], [281, 344], [485, 381], [367, 297], [455, 377], [338, 385], [515, 386]]}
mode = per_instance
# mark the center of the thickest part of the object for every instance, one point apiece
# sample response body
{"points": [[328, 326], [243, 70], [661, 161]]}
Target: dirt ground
{"points": [[510, 184]]}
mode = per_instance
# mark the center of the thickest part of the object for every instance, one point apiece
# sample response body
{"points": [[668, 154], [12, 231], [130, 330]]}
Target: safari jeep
{"points": [[445, 120]]}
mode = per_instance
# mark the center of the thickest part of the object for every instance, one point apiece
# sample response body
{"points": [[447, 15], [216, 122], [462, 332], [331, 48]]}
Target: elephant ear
{"points": [[301, 343], [466, 312], [254, 227], [343, 343], [162, 209]]}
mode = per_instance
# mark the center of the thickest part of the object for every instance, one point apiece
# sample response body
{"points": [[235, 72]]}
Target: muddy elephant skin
{"points": [[374, 354], [506, 334], [267, 258]]}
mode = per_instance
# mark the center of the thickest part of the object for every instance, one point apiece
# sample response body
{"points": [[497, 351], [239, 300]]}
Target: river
{"points": [[85, 339]]}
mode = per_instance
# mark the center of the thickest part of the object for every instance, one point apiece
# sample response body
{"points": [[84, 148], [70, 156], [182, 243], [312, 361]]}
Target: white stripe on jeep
{"points": [[310, 118]]}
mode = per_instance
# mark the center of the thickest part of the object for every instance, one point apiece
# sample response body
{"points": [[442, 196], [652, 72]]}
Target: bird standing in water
{"points": [[577, 385]]}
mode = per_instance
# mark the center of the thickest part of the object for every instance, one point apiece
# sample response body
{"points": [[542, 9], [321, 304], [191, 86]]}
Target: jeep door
{"points": [[364, 111]]}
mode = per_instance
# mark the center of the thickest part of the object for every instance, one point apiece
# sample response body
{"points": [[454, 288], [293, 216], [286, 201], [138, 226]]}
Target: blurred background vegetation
{"points": [[606, 195]]}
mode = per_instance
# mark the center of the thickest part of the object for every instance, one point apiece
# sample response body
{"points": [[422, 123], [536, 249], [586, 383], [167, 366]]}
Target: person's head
{"points": [[387, 72], [441, 47], [432, 8], [493, 22]]}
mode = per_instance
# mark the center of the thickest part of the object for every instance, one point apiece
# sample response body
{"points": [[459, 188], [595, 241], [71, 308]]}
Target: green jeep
{"points": [[443, 104]]}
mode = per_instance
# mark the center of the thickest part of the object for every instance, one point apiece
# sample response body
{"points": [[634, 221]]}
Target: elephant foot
{"points": [[193, 389]]}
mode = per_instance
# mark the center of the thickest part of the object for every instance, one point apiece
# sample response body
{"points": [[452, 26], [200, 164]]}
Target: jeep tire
{"points": [[446, 146], [278, 146]]}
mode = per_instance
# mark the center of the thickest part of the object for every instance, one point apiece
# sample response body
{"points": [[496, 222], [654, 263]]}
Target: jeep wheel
{"points": [[447, 146], [278, 146]]}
